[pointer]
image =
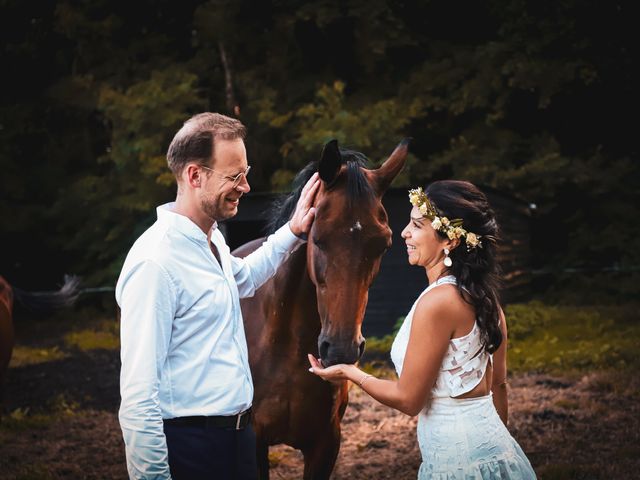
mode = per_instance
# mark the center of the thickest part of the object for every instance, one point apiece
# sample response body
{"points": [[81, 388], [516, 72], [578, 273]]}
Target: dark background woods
{"points": [[534, 98]]}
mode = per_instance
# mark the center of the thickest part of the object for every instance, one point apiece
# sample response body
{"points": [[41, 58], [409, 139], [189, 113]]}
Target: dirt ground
{"points": [[60, 422]]}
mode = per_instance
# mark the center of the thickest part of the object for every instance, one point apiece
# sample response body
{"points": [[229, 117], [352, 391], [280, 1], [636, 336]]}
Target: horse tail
{"points": [[47, 301]]}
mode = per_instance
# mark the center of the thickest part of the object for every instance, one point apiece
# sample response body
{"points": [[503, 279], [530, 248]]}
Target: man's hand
{"points": [[303, 216]]}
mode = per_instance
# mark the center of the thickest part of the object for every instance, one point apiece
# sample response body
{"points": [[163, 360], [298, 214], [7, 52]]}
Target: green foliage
{"points": [[134, 177], [561, 339], [531, 99], [144, 119], [382, 345], [366, 126]]}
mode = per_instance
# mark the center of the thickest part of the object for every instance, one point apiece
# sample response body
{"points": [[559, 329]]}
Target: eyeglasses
{"points": [[236, 179]]}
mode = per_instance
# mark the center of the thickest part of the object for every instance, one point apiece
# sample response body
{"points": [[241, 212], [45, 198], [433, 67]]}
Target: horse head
{"points": [[347, 240]]}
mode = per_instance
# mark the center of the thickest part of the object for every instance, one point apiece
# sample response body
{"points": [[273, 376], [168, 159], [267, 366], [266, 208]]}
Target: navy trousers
{"points": [[207, 453]]}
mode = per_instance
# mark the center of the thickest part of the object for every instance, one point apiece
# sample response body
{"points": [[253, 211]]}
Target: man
{"points": [[185, 381]]}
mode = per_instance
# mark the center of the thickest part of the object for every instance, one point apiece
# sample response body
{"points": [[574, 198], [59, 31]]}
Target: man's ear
{"points": [[192, 175]]}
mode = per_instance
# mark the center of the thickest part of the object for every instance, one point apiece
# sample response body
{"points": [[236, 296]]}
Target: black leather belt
{"points": [[238, 421]]}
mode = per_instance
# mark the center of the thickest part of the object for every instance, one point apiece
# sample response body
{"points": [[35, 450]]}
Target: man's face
{"points": [[218, 197]]}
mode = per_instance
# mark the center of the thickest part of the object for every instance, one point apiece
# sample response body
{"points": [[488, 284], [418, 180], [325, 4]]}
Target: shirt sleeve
{"points": [[252, 271], [147, 301]]}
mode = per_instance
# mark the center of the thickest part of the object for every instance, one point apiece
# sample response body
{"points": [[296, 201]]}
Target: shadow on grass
{"points": [[87, 380]]}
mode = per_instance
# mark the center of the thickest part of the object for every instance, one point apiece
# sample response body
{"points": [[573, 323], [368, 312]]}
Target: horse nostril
{"points": [[324, 350], [361, 348]]}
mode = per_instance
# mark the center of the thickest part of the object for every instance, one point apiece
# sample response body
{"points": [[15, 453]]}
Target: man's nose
{"points": [[244, 186]]}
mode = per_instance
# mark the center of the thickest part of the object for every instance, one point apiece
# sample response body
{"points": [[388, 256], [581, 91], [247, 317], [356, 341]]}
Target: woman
{"points": [[450, 353]]}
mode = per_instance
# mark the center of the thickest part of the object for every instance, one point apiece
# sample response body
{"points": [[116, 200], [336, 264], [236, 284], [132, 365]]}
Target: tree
{"points": [[528, 97]]}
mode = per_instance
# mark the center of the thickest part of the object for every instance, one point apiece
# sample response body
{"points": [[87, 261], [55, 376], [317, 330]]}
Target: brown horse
{"points": [[34, 301], [316, 303]]}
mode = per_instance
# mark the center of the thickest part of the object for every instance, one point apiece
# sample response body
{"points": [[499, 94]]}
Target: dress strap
{"points": [[448, 280]]}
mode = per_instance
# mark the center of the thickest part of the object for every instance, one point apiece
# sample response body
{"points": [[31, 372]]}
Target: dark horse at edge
{"points": [[316, 303], [34, 301]]}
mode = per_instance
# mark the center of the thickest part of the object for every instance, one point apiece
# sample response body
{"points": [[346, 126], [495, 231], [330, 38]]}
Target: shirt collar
{"points": [[167, 215]]}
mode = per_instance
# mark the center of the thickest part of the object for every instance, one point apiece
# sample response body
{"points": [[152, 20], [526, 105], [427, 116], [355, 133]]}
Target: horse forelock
{"points": [[357, 187], [282, 208]]}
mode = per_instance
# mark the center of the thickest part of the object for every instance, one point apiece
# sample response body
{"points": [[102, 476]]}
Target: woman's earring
{"points": [[447, 259]]}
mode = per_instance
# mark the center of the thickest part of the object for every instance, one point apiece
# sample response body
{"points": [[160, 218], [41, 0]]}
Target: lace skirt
{"points": [[464, 439]]}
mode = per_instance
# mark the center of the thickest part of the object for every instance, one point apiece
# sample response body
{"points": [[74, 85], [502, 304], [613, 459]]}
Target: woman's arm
{"points": [[499, 382], [431, 329]]}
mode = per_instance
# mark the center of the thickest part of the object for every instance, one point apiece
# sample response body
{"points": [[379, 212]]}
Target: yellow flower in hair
{"points": [[459, 232], [445, 221], [451, 234], [436, 224], [472, 239], [424, 209], [414, 196]]}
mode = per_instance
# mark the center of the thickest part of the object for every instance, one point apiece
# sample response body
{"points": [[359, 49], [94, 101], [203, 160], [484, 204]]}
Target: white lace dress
{"points": [[462, 439]]}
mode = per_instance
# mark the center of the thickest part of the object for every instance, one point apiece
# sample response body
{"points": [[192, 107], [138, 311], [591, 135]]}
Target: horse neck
{"points": [[298, 294]]}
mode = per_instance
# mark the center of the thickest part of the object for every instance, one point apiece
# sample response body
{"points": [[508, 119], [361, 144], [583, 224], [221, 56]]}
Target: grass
{"points": [[24, 355], [104, 336], [560, 339], [22, 419], [543, 338], [55, 337]]}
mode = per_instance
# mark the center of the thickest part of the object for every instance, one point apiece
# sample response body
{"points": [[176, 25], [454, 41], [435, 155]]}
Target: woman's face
{"points": [[424, 246]]}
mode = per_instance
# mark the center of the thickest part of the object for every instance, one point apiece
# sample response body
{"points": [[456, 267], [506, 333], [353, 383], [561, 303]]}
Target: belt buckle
{"points": [[238, 419]]}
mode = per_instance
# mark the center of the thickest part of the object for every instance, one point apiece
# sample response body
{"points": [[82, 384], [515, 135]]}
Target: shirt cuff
{"points": [[285, 237]]}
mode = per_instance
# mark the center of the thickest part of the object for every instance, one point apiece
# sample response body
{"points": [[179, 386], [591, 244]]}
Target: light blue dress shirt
{"points": [[183, 346]]}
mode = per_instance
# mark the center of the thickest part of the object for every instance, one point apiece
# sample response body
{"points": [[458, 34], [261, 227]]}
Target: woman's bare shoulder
{"points": [[444, 306]]}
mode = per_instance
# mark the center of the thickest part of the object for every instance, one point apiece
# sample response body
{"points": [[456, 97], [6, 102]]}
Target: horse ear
{"points": [[385, 174], [330, 162]]}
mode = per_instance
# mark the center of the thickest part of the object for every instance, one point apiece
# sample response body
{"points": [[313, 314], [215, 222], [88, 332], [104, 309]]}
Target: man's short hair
{"points": [[195, 141]]}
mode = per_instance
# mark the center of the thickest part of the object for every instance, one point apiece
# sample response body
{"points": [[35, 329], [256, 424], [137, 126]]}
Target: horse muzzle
{"points": [[333, 351]]}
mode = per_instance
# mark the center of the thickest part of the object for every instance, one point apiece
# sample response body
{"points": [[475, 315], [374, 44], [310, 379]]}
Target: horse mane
{"points": [[358, 187]]}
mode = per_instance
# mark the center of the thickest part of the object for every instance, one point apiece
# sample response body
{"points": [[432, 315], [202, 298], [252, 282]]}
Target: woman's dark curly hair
{"points": [[475, 269]]}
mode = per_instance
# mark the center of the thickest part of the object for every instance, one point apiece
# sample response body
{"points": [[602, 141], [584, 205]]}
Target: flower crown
{"points": [[451, 228]]}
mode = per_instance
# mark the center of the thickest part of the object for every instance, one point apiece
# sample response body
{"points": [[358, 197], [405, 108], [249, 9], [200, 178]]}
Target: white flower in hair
{"points": [[451, 228], [472, 239]]}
